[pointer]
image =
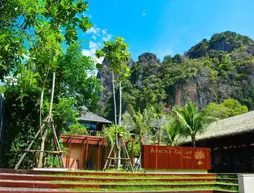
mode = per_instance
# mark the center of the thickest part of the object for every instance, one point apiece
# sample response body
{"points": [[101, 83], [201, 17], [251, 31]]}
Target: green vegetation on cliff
{"points": [[211, 71]]}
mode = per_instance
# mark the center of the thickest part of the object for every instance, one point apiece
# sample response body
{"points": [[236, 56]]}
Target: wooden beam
{"points": [[98, 156], [52, 152], [86, 156], [69, 153], [82, 153], [116, 158]]}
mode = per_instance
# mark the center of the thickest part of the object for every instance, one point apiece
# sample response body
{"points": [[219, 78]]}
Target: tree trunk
{"points": [[193, 139], [119, 153], [43, 140], [46, 126], [120, 123], [120, 104], [159, 131], [114, 96], [52, 94], [115, 118], [42, 96]]}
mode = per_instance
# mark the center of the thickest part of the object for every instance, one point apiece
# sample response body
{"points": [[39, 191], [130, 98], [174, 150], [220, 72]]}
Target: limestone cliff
{"points": [[210, 71]]}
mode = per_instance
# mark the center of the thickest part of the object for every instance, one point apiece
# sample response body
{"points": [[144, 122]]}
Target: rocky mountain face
{"points": [[105, 76], [210, 71]]}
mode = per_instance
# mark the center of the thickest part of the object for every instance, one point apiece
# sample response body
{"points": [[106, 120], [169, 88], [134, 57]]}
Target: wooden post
{"points": [[132, 153], [86, 156], [83, 153], [103, 153], [67, 157], [69, 154], [98, 155]]}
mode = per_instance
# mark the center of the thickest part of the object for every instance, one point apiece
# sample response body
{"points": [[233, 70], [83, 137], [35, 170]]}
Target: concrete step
{"points": [[8, 176], [36, 190], [49, 184]]}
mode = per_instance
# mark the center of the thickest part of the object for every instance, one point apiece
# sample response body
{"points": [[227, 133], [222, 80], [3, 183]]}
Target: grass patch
{"points": [[134, 182], [144, 189], [135, 176], [108, 171]]}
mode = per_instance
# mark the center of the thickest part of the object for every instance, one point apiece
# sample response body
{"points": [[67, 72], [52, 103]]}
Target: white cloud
{"points": [[98, 36], [87, 52], [144, 14], [107, 38], [91, 30], [104, 31], [94, 30], [93, 46]]}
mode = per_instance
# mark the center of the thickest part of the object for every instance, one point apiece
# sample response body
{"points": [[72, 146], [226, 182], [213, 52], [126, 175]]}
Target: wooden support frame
{"points": [[48, 123], [51, 152], [111, 157]]}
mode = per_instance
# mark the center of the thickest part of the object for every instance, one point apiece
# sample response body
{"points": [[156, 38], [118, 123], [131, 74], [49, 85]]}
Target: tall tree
{"points": [[76, 78], [43, 27], [115, 52]]}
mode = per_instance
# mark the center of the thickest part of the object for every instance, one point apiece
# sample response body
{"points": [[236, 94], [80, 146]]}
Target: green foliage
{"points": [[227, 41], [199, 50], [221, 68], [77, 129], [53, 160], [137, 149], [2, 89], [64, 109], [115, 52], [228, 108], [172, 132], [110, 132], [32, 36], [191, 121], [76, 76], [140, 123], [21, 123]]}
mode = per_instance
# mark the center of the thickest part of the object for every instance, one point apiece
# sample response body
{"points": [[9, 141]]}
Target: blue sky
{"points": [[165, 27]]}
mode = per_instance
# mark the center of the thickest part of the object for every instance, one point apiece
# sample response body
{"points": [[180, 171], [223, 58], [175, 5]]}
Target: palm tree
{"points": [[172, 131], [191, 121], [113, 130], [140, 123], [157, 116]]}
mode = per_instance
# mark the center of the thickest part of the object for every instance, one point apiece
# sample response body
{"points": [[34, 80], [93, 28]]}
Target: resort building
{"points": [[231, 142], [93, 122], [86, 151]]}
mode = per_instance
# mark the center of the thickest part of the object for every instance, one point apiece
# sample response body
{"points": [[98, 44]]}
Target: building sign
{"points": [[166, 157]]}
